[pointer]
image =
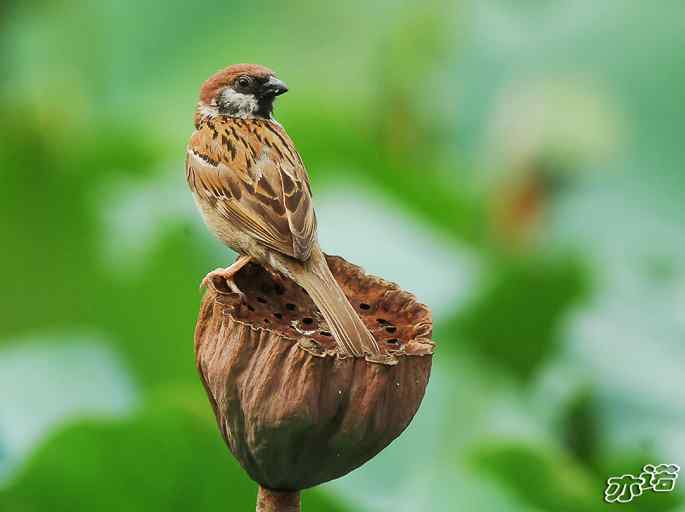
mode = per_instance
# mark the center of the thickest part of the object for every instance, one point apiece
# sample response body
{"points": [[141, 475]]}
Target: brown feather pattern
{"points": [[250, 171]]}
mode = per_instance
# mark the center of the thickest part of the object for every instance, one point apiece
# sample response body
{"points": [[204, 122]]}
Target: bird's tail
{"points": [[348, 329]]}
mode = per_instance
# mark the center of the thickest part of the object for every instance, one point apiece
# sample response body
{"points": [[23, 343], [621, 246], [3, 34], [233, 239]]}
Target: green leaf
{"points": [[514, 322], [580, 427], [170, 459], [541, 476]]}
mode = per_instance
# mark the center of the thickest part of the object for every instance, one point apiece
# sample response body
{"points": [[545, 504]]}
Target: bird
{"points": [[252, 189]]}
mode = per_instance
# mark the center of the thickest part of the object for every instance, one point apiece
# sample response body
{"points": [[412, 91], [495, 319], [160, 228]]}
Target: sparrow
{"points": [[253, 191]]}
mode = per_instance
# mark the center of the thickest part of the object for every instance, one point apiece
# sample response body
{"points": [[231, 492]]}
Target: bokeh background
{"points": [[518, 165]]}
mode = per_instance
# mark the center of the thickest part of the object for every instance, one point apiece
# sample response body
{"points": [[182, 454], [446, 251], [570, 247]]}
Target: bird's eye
{"points": [[244, 81]]}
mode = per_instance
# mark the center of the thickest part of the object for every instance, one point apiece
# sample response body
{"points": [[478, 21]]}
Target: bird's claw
{"points": [[208, 281]]}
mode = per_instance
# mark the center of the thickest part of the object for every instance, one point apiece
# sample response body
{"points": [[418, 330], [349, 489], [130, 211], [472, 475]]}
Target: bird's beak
{"points": [[274, 87]]}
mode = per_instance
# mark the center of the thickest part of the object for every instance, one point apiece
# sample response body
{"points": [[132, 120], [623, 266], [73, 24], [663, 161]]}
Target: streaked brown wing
{"points": [[251, 173]]}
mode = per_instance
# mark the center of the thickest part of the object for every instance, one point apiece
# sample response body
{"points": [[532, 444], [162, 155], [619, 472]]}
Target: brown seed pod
{"points": [[292, 410]]}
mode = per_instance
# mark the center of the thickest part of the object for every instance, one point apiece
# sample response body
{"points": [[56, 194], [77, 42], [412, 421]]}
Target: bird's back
{"points": [[248, 177]]}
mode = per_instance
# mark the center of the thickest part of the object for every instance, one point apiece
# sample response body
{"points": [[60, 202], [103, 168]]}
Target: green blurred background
{"points": [[517, 165]]}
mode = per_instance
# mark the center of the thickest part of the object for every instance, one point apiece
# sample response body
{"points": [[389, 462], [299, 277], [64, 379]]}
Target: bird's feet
{"points": [[227, 275], [221, 274]]}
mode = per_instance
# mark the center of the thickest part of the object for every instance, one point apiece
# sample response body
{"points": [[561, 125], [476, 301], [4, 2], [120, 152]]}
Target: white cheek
{"points": [[208, 111], [244, 104]]}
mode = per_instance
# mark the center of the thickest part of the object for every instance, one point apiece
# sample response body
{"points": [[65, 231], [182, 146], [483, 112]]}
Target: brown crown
{"points": [[225, 77]]}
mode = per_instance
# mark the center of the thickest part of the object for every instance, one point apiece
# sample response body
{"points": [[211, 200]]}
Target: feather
{"points": [[248, 175], [348, 329], [250, 170]]}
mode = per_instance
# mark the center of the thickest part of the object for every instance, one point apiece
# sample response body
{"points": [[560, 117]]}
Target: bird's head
{"points": [[241, 90]]}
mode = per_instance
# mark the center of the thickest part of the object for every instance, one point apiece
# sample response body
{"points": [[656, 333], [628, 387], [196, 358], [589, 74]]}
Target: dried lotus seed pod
{"points": [[292, 410]]}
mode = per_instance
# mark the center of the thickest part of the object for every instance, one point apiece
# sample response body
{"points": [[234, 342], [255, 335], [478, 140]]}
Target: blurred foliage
{"points": [[515, 320], [542, 476], [580, 428], [446, 109], [168, 456]]}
